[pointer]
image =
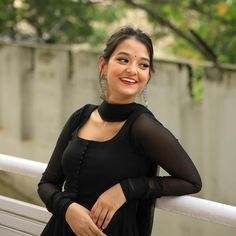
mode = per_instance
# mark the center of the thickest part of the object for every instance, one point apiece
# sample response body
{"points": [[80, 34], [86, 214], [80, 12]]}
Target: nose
{"points": [[131, 69]]}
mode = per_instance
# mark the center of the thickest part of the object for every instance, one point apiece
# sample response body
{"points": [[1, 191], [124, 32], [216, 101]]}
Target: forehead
{"points": [[132, 47]]}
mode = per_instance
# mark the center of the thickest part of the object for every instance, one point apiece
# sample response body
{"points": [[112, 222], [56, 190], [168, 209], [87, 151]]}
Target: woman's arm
{"points": [[163, 149], [50, 185]]}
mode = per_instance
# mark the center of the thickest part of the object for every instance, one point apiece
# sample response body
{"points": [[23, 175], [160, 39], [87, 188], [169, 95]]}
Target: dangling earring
{"points": [[103, 86], [145, 96]]}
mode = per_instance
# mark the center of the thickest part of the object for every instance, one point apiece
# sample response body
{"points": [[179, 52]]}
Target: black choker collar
{"points": [[116, 112]]}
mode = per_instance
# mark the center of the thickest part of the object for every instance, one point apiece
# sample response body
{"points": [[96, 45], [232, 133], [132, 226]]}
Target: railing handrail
{"points": [[21, 166], [211, 211]]}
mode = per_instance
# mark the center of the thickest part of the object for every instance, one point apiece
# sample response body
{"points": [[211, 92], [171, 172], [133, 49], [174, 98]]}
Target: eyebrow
{"points": [[127, 54]]}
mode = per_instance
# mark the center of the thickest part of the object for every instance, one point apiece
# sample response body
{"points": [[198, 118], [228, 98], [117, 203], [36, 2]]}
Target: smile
{"points": [[128, 81]]}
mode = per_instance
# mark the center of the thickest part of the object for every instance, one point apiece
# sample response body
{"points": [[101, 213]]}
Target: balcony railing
{"points": [[37, 216]]}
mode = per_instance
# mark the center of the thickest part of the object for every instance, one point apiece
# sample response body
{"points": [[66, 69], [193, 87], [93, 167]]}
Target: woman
{"points": [[107, 156]]}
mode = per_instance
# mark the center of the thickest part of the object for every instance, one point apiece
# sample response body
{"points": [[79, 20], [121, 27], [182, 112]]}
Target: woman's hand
{"points": [[80, 222], [106, 206]]}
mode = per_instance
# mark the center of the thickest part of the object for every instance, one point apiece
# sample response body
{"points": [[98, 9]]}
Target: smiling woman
{"points": [[107, 155], [126, 72]]}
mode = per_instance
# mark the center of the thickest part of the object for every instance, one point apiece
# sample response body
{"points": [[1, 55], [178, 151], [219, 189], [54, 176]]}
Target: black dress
{"points": [[88, 168]]}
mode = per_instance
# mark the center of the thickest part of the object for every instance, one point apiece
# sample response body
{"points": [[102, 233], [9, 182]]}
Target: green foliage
{"points": [[197, 83], [57, 21], [214, 21], [79, 21]]}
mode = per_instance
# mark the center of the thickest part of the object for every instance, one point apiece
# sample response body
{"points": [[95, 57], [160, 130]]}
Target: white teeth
{"points": [[129, 80]]}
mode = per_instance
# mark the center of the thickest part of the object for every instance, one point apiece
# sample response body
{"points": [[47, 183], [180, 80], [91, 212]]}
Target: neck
{"points": [[116, 111], [120, 100]]}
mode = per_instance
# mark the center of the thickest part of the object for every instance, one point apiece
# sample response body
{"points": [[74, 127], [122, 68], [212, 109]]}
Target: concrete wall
{"points": [[41, 85]]}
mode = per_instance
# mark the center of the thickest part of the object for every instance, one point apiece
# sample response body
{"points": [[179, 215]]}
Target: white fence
{"points": [[16, 215], [19, 218]]}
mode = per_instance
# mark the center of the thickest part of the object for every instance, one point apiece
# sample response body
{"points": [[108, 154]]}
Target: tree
{"points": [[208, 27], [57, 21], [201, 28]]}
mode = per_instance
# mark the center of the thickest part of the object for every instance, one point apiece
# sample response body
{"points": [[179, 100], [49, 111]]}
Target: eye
{"points": [[144, 66], [123, 60]]}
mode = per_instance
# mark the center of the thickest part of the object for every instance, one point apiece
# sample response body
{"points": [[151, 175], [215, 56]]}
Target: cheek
{"points": [[115, 71], [145, 77]]}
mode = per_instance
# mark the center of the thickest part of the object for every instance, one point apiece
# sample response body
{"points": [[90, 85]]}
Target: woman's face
{"points": [[127, 71]]}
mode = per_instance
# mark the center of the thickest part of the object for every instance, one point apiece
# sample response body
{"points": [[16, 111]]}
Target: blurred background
{"points": [[48, 68]]}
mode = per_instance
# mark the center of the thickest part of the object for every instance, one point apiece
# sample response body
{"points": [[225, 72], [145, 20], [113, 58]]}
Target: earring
{"points": [[103, 85], [145, 96]]}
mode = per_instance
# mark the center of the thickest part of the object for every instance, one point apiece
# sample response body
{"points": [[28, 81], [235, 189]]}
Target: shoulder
{"points": [[145, 117], [80, 113], [146, 125], [83, 109]]}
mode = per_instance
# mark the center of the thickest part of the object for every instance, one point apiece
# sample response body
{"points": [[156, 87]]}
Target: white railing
{"points": [[187, 205]]}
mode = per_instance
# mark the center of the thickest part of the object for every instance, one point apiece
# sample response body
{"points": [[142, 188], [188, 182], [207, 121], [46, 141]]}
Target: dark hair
{"points": [[126, 33]]}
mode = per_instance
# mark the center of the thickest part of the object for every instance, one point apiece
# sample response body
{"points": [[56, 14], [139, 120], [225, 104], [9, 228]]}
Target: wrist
{"points": [[134, 188], [69, 210]]}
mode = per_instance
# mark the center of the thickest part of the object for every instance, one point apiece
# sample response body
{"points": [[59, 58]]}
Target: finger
{"points": [[94, 208], [84, 234], [86, 231], [96, 231], [107, 219], [89, 232], [96, 214], [102, 217]]}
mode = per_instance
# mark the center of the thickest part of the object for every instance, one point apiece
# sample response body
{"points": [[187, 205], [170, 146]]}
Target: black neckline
{"points": [[116, 112]]}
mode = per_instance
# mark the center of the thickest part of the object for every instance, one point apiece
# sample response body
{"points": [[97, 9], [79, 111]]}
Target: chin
{"points": [[125, 94]]}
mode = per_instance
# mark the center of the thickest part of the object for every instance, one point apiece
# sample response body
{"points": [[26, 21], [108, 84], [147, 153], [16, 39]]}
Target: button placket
{"points": [[80, 162]]}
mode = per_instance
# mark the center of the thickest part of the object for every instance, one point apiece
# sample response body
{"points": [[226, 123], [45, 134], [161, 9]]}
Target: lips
{"points": [[128, 81]]}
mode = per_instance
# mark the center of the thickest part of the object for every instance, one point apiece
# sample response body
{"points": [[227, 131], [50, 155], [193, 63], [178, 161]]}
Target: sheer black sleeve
{"points": [[50, 185], [158, 143]]}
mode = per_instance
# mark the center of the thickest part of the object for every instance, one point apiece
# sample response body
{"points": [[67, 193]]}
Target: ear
{"points": [[102, 65]]}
